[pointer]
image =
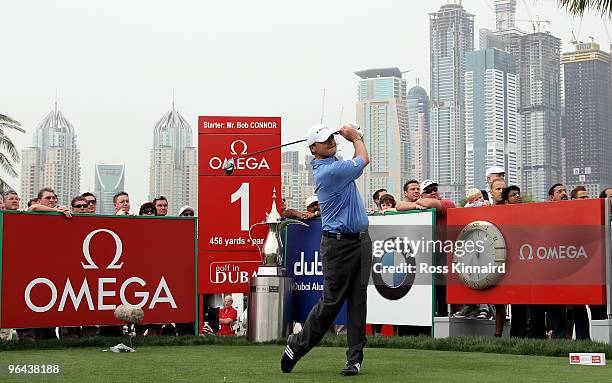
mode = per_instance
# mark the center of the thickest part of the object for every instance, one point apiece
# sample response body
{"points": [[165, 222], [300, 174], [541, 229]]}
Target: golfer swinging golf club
{"points": [[345, 247]]}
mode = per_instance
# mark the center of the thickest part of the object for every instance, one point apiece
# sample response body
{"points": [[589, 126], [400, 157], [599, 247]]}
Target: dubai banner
{"points": [[69, 272], [305, 266]]}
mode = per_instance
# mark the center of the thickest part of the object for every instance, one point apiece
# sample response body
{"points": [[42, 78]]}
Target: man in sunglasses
{"points": [[47, 202], [92, 202], [79, 205]]}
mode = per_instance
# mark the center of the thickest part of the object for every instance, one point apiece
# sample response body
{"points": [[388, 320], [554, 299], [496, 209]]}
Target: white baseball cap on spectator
{"points": [[319, 133], [310, 200], [184, 209], [495, 170], [425, 184]]}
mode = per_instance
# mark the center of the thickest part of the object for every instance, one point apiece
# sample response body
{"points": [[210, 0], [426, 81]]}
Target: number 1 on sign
{"points": [[242, 194]]}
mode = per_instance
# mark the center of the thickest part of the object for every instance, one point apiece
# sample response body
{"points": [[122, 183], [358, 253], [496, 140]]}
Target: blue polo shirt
{"points": [[342, 209]]}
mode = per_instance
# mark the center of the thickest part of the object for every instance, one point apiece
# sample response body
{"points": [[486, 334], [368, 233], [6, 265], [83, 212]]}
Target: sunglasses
{"points": [[91, 202], [80, 206]]}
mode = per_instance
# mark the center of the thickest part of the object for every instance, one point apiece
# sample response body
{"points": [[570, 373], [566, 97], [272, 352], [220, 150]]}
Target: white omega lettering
{"points": [[76, 299], [118, 250], [541, 252], [139, 294], [28, 299], [522, 254], [102, 293], [217, 163], [168, 298], [233, 149]]}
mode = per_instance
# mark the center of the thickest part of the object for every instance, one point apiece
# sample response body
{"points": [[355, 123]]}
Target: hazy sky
{"points": [[115, 63]]}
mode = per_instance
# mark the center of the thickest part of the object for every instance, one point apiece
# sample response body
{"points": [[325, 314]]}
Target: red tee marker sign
{"points": [[230, 204]]}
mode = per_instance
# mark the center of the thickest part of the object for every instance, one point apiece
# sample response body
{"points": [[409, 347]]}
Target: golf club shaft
{"points": [[268, 149]]}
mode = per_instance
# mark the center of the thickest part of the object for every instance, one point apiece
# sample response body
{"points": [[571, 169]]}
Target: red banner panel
{"points": [[69, 272], [226, 271], [230, 206], [552, 253], [214, 149], [239, 125]]}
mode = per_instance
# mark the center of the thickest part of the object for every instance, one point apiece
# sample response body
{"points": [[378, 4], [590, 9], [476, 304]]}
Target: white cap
{"points": [[310, 200], [495, 170], [426, 184], [184, 208], [319, 133]]}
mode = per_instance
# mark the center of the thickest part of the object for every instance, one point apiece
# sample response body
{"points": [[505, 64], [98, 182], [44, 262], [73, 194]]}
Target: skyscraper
{"points": [[382, 113], [290, 161], [174, 162], [53, 160], [291, 157], [588, 138], [451, 37], [109, 180], [491, 116], [505, 11], [540, 96], [296, 179], [418, 123], [537, 59]]}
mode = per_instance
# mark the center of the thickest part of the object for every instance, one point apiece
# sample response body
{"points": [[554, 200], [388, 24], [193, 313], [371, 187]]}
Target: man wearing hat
{"points": [[346, 248], [493, 173], [313, 209]]}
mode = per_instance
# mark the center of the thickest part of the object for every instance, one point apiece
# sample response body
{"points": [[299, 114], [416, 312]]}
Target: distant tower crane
{"points": [[536, 23]]}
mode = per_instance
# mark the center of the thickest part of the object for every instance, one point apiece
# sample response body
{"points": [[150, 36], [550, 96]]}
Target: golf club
{"points": [[229, 165]]}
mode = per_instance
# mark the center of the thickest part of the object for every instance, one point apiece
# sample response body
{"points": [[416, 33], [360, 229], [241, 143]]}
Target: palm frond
{"points": [[578, 7], [8, 123], [9, 146], [7, 165], [4, 186]]}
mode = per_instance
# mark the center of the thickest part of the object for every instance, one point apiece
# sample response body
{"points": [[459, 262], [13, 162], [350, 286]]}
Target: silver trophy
{"points": [[272, 250], [269, 310]]}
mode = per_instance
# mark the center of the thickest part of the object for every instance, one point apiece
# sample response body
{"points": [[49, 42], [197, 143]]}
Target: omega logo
{"points": [[118, 250], [233, 150], [250, 163], [107, 287]]}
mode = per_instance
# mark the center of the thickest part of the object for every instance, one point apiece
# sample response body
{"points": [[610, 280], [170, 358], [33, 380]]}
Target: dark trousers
{"points": [[536, 315], [581, 322], [346, 270], [558, 318], [518, 325]]}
